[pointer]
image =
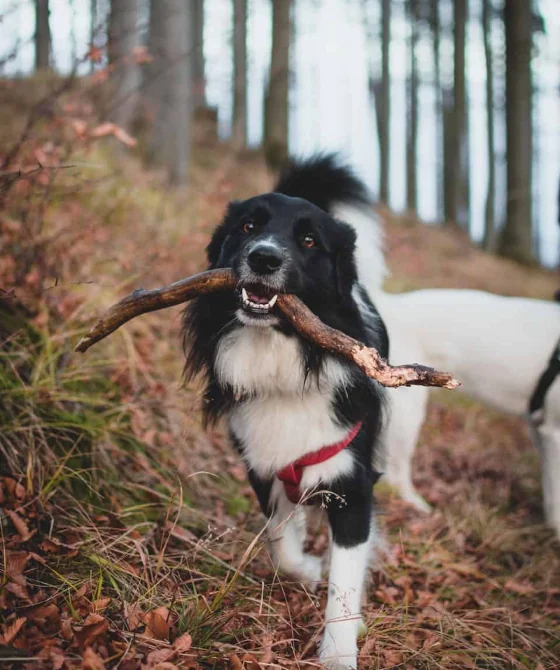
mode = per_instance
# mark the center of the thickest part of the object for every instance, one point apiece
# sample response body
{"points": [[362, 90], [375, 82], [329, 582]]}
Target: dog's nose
{"points": [[264, 260]]}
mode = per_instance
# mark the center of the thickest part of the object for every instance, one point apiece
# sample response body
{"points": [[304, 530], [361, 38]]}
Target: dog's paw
{"points": [[340, 656]]}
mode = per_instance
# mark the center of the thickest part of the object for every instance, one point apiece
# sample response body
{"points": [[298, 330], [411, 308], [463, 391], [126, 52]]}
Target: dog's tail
{"points": [[328, 183]]}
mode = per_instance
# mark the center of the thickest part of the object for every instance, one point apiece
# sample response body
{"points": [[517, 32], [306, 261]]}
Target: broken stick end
{"points": [[83, 345], [452, 384]]}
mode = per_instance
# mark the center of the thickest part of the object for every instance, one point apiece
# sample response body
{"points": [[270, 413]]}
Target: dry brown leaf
{"points": [[15, 563], [157, 623], [165, 665], [100, 604], [14, 488], [55, 655], [19, 525], [158, 656], [183, 643], [250, 662], [94, 627], [13, 630], [134, 615], [235, 663], [92, 661], [18, 590], [44, 613]]}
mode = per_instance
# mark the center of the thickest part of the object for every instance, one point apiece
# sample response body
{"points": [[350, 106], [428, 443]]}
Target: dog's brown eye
{"points": [[308, 241], [247, 227]]}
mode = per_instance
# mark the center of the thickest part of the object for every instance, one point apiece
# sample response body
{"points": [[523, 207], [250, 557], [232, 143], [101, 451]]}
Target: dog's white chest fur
{"points": [[286, 416]]}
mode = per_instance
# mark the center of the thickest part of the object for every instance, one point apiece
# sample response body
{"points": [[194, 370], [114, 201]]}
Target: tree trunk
{"points": [[239, 129], [197, 40], [459, 136], [171, 84], [42, 35], [276, 111], [489, 218], [92, 31], [449, 176], [383, 104], [412, 112], [436, 37], [516, 240], [123, 40]]}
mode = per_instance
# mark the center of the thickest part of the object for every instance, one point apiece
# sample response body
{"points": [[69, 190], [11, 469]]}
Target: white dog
{"points": [[498, 347]]}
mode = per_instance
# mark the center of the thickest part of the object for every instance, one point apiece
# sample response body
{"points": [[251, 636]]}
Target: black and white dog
{"points": [[305, 422]]}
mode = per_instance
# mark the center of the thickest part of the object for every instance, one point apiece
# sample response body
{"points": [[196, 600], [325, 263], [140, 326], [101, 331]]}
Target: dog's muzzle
{"points": [[262, 276]]}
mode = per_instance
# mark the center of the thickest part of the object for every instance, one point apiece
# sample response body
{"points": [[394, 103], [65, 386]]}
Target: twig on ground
{"points": [[304, 321]]}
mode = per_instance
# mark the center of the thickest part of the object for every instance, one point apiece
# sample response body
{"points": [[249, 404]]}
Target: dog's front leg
{"points": [[286, 533], [350, 555]]}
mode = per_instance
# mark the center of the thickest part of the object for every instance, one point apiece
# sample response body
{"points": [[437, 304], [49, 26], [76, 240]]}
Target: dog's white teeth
{"points": [[244, 295], [272, 301]]}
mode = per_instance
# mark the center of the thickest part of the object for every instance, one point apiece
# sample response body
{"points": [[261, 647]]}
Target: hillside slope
{"points": [[131, 536]]}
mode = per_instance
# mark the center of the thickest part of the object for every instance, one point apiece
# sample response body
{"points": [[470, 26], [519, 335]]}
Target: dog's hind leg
{"points": [[549, 444], [407, 412]]}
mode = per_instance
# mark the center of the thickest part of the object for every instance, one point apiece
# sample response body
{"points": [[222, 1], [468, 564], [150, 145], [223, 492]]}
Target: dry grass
{"points": [[131, 537]]}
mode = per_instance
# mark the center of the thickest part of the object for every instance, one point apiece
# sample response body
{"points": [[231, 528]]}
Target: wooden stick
{"points": [[304, 321], [143, 301]]}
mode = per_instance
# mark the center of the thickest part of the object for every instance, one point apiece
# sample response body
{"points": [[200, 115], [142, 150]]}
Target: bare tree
{"points": [[449, 176], [42, 35], [489, 222], [197, 41], [412, 110], [516, 242], [435, 24], [383, 105], [171, 85], [459, 186], [123, 40], [239, 129], [276, 109]]}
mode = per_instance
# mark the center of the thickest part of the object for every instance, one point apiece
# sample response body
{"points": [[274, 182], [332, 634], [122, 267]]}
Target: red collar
{"points": [[291, 475]]}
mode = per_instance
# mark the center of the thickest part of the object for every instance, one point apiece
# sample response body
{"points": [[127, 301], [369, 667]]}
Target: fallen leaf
{"points": [[183, 643], [13, 630], [157, 623], [235, 663], [250, 662], [133, 615], [92, 661], [94, 627], [18, 590], [19, 525], [100, 604], [55, 655], [159, 656], [15, 563]]}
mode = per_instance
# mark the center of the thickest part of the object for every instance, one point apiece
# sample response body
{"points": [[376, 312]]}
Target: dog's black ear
{"points": [[215, 248], [345, 268]]}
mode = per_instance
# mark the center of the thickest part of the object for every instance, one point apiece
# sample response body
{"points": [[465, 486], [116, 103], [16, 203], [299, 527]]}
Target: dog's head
{"points": [[278, 244]]}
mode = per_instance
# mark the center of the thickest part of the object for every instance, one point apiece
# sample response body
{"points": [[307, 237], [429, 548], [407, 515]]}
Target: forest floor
{"points": [[130, 537]]}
